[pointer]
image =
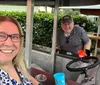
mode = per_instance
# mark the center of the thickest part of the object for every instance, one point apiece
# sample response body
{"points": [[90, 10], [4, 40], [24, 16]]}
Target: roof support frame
{"points": [[54, 36], [29, 30], [98, 32]]}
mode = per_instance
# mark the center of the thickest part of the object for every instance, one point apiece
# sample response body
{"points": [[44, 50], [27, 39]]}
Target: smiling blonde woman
{"points": [[13, 70]]}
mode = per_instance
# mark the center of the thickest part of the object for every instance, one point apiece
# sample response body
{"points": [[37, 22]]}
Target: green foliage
{"points": [[42, 28], [43, 25], [89, 25], [20, 16]]}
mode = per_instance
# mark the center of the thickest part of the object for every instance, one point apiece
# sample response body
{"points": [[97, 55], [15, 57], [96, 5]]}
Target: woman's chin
{"points": [[3, 62]]}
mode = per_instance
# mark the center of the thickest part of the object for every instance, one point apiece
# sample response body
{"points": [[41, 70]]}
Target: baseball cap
{"points": [[67, 18]]}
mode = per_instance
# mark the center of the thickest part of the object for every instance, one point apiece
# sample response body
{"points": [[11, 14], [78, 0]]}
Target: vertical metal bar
{"points": [[29, 27], [98, 32], [54, 37]]}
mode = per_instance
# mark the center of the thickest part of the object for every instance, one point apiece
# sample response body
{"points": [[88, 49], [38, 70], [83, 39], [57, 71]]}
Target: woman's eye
{"points": [[2, 36]]}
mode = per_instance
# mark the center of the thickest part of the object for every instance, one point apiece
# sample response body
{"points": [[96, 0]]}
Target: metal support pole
{"points": [[29, 27], [98, 32], [54, 36]]}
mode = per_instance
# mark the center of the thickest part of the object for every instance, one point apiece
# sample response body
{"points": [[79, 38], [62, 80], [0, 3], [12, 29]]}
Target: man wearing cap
{"points": [[71, 38]]}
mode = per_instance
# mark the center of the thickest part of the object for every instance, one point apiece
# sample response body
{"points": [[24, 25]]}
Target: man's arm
{"points": [[87, 45]]}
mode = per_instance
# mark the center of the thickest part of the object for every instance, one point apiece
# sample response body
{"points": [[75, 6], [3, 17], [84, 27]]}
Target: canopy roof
{"points": [[52, 2]]}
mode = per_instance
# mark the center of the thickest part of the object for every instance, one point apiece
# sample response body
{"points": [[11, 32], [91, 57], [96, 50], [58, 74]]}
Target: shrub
{"points": [[43, 25]]}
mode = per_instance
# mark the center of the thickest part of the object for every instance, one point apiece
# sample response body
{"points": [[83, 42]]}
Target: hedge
{"points": [[43, 25]]}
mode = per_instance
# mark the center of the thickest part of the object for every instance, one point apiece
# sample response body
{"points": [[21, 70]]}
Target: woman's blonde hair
{"points": [[19, 59]]}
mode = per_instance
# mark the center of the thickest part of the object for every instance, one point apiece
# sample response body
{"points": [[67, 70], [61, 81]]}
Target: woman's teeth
{"points": [[6, 51]]}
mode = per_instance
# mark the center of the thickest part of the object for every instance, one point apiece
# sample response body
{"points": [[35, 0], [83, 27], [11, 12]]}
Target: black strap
{"points": [[19, 75]]}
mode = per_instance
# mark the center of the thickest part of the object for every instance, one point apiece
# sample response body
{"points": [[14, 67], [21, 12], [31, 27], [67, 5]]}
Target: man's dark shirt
{"points": [[74, 42]]}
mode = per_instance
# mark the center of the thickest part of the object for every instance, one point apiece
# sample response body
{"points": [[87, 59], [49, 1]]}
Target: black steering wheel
{"points": [[83, 64]]}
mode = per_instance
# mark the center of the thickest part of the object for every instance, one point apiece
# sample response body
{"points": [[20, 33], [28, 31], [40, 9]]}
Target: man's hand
{"points": [[58, 48]]}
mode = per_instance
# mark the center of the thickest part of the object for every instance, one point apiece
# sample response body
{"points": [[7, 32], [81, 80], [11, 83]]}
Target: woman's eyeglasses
{"points": [[14, 37]]}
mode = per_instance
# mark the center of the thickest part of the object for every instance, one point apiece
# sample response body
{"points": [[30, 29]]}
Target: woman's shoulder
{"points": [[23, 78], [6, 79]]}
